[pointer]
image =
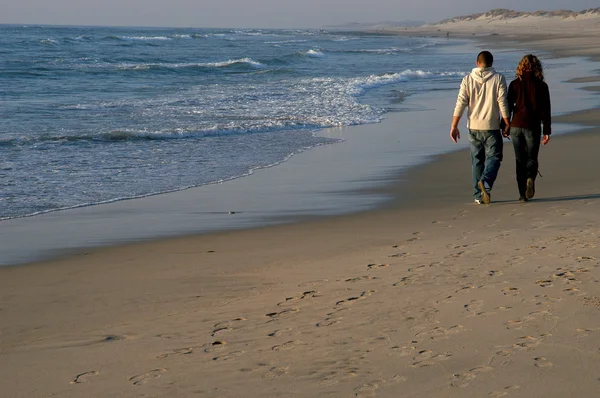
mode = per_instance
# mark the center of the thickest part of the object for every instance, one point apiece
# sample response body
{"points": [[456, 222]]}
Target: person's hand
{"points": [[454, 134], [546, 139], [506, 132]]}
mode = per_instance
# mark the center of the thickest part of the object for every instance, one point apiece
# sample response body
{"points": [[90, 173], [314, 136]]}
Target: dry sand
{"points": [[436, 297]]}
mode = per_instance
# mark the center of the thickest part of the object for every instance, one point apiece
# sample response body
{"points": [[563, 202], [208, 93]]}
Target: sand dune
{"points": [[568, 33]]}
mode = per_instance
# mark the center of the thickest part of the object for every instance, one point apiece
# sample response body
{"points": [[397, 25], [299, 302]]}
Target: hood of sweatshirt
{"points": [[480, 76]]}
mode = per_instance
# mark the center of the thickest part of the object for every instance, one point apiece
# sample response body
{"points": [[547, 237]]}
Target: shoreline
{"points": [[432, 296], [285, 194]]}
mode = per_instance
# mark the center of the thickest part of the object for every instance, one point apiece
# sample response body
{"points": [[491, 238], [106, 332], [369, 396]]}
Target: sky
{"points": [[256, 13]]}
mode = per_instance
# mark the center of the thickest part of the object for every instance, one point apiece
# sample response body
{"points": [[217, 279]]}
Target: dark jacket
{"points": [[529, 103]]}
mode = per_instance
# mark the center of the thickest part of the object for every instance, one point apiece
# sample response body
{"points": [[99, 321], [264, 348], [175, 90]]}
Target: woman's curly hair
{"points": [[530, 63]]}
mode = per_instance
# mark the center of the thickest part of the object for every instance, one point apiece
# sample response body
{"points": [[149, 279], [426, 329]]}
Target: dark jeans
{"points": [[527, 148], [486, 156]]}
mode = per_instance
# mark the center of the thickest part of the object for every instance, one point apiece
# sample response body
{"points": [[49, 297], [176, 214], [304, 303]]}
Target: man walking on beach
{"points": [[484, 92]]}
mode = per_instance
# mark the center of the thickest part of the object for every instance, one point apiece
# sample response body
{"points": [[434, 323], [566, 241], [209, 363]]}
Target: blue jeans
{"points": [[486, 156], [527, 147]]}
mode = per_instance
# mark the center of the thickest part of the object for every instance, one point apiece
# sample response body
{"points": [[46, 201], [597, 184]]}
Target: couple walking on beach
{"points": [[495, 111]]}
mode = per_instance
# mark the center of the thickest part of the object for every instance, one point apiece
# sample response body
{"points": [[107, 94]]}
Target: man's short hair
{"points": [[486, 58]]}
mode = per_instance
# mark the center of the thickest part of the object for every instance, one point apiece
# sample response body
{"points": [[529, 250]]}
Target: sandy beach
{"points": [[428, 296]]}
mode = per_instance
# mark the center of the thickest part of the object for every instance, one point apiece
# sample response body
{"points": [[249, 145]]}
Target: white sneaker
{"points": [[477, 201]]}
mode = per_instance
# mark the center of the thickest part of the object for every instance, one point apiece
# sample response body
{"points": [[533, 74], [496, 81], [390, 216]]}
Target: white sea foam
{"points": [[285, 41], [316, 102], [248, 61], [181, 65], [253, 33], [360, 85], [390, 50], [146, 38], [313, 53], [218, 36]]}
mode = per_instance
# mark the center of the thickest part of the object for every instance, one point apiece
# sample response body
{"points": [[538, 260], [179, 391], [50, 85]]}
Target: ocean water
{"points": [[93, 115]]}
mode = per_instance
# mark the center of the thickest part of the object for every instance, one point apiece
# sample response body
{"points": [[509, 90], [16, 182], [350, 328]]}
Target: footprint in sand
{"points": [[515, 260], [566, 275], [83, 377], [586, 259], [439, 332], [403, 351], [330, 321], [540, 316], [514, 324], [501, 358], [398, 379], [288, 346], [537, 247], [462, 380], [398, 255], [170, 336], [446, 300], [550, 299], [466, 289], [458, 254], [220, 331], [277, 315], [503, 393], [146, 377], [279, 332], [586, 332], [474, 307], [366, 390], [180, 351], [527, 343], [511, 291], [360, 278], [276, 371], [542, 362], [416, 269], [427, 358], [362, 296], [294, 300], [226, 326], [591, 301], [329, 381], [371, 267], [215, 346], [544, 283], [229, 356], [406, 280]]}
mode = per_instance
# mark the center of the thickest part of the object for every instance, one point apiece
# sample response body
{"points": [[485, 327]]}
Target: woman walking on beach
{"points": [[529, 105]]}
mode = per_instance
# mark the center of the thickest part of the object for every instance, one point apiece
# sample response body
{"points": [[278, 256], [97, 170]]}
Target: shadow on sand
{"points": [[552, 199]]}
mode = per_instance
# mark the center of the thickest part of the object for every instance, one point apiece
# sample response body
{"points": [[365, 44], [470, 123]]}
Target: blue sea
{"points": [[92, 115]]}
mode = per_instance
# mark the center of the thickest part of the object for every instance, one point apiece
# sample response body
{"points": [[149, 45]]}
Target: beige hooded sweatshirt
{"points": [[484, 92]]}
